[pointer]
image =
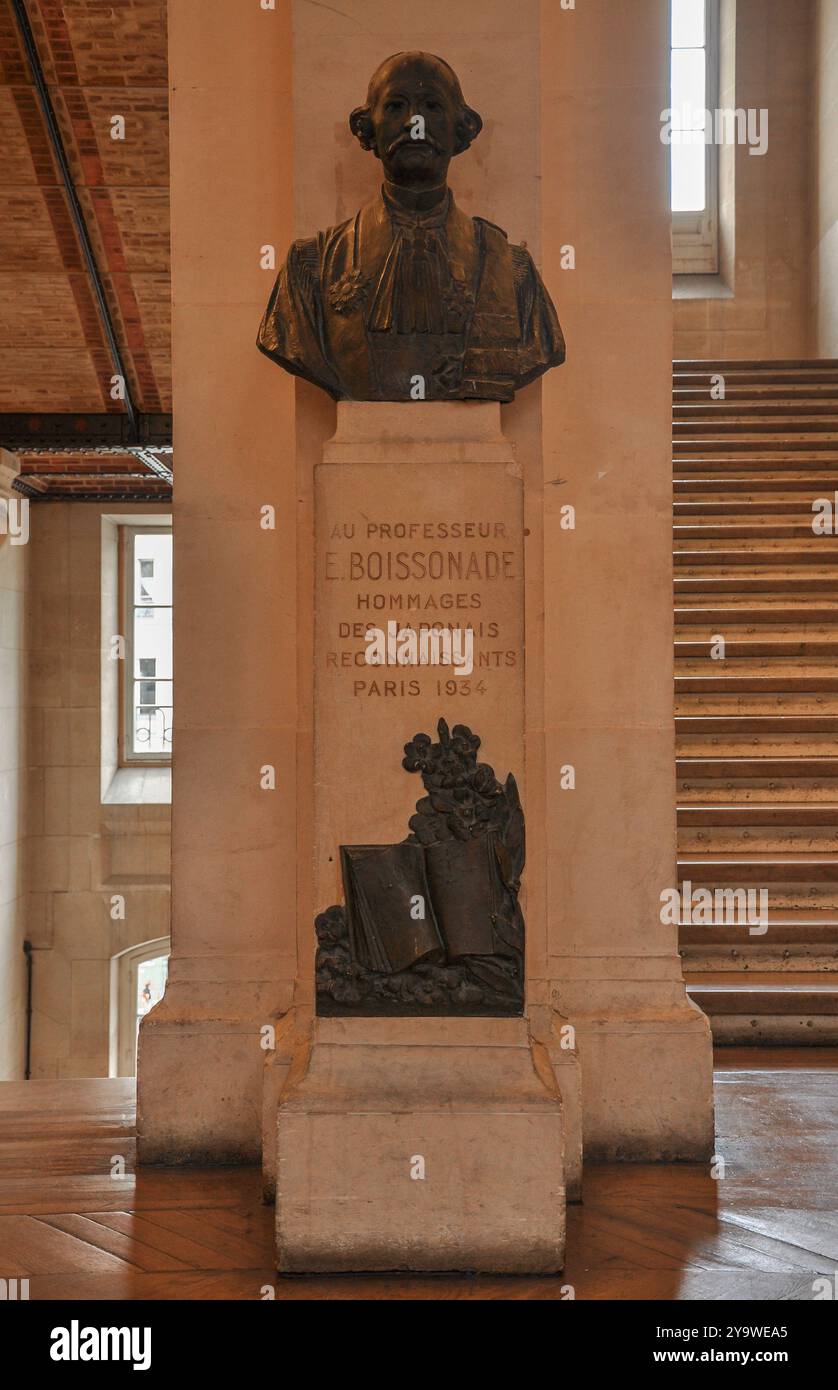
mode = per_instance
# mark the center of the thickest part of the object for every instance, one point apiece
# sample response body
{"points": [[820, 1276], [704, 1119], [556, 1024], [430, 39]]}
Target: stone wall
{"points": [[765, 198], [825, 184], [80, 851]]}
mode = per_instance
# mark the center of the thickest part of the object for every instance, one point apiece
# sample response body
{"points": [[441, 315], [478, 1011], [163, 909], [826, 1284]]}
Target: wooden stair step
{"points": [[757, 767], [758, 467], [749, 868], [756, 998], [767, 635], [756, 685], [746, 813], [759, 724], [784, 929], [748, 364], [738, 512], [749, 531], [746, 611], [768, 746], [752, 380], [742, 396], [785, 554], [705, 413], [762, 584], [794, 427], [737, 649], [752, 488], [778, 841], [749, 704], [755, 791], [795, 449]]}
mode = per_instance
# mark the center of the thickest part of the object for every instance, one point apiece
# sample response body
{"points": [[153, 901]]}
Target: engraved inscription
{"points": [[406, 593]]}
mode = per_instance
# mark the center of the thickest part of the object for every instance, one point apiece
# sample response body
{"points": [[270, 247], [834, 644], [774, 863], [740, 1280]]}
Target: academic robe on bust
{"points": [[393, 306]]}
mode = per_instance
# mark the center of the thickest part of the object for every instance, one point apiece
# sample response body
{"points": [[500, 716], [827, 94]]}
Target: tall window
{"points": [[148, 686], [695, 164]]}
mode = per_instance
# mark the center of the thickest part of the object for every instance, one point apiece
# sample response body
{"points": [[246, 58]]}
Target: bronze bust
{"points": [[411, 298]]}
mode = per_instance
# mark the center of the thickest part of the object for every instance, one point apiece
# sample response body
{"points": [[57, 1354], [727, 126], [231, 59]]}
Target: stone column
{"points": [[234, 840], [616, 975]]}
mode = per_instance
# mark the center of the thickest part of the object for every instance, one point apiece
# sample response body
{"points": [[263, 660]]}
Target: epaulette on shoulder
{"points": [[521, 260], [494, 226], [306, 260]]}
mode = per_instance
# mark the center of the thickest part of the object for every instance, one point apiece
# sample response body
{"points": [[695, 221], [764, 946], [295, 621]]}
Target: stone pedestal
{"points": [[432, 1144], [415, 1143]]}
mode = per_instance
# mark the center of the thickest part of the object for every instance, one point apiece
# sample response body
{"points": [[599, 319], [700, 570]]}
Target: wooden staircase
{"points": [[757, 731]]}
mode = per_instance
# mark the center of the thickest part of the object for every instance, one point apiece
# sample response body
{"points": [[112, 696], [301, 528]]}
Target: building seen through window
{"points": [[149, 684]]}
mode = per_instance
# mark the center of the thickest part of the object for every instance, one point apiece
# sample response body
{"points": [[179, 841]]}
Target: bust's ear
{"points": [[360, 123], [469, 127]]}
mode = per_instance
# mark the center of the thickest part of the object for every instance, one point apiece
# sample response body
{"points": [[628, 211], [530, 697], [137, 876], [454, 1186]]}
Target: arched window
{"points": [[138, 982]]}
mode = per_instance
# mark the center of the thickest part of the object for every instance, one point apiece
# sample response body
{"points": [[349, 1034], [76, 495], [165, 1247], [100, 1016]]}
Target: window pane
{"points": [[153, 569], [153, 640], [689, 164], [689, 82], [687, 23], [149, 712]]}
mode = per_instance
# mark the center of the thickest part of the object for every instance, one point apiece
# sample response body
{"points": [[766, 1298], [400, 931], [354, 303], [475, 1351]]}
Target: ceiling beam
{"points": [[76, 211], [47, 432]]}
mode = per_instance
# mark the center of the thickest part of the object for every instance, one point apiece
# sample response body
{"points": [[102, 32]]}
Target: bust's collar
{"points": [[433, 216]]}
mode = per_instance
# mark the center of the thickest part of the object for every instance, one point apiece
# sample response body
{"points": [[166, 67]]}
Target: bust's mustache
{"points": [[409, 140]]}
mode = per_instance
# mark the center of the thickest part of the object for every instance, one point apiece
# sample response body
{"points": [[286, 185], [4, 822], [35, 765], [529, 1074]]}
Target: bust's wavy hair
{"points": [[469, 122]]}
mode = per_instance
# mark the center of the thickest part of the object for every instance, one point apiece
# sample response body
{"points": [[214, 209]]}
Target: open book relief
{"points": [[432, 925]]}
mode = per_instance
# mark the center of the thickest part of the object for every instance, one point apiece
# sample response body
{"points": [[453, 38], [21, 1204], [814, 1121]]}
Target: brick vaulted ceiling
{"points": [[100, 60]]}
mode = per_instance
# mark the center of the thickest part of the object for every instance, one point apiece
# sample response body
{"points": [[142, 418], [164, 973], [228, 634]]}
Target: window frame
{"points": [[695, 235], [127, 538], [124, 1029]]}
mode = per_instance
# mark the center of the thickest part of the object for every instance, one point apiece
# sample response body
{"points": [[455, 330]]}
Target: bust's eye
{"points": [[432, 104], [394, 104]]}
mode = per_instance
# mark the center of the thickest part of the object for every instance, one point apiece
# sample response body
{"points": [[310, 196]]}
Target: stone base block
{"points": [[431, 1144], [647, 1087], [200, 1070]]}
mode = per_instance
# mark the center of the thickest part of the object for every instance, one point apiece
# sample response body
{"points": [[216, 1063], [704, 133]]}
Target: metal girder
{"points": [[38, 432], [76, 210]]}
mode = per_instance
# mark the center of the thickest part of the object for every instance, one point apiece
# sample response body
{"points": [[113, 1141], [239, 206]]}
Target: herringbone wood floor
{"points": [[766, 1230]]}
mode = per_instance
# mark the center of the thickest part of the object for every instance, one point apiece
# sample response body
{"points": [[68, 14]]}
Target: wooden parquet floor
{"points": [[765, 1230]]}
